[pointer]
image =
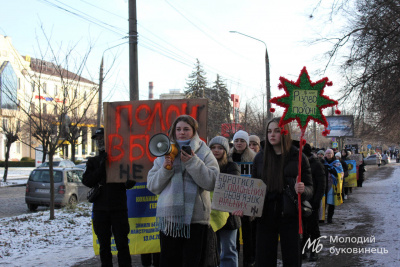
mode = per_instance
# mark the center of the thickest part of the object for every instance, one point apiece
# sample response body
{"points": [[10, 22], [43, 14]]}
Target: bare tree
{"points": [[368, 51]]}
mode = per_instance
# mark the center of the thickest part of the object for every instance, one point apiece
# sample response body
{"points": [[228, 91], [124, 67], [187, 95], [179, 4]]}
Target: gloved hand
{"points": [[129, 184]]}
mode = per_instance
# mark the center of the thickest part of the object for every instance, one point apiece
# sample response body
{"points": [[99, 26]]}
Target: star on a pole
{"points": [[303, 100]]}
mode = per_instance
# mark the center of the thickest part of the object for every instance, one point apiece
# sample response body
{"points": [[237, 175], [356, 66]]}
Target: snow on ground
{"points": [[34, 240], [15, 176], [382, 198]]}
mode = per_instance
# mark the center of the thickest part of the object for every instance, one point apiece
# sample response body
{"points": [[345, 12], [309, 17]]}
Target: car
{"points": [[81, 166], [371, 160], [68, 187], [58, 163]]}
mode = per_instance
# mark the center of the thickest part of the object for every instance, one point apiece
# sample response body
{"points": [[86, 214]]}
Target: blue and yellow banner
{"points": [[143, 237], [351, 180]]}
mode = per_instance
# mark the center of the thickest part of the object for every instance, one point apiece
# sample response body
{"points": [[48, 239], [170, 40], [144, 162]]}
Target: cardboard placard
{"points": [[130, 125], [233, 192]]}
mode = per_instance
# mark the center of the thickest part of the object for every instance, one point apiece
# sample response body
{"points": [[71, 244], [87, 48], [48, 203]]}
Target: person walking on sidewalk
{"points": [[378, 159], [110, 209]]}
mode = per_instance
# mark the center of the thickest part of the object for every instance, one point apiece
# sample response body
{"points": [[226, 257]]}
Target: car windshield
{"points": [[47, 164], [43, 176]]}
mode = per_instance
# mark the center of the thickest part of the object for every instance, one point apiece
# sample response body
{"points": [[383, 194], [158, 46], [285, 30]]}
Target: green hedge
{"points": [[18, 164]]}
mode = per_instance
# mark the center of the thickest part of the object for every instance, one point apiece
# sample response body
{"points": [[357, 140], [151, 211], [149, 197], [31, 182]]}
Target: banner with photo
{"points": [[351, 180]]}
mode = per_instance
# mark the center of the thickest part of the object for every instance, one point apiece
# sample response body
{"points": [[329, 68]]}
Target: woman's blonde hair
{"points": [[185, 118], [272, 173]]}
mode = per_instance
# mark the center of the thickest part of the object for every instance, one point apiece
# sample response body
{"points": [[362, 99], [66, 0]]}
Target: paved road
{"points": [[12, 201]]}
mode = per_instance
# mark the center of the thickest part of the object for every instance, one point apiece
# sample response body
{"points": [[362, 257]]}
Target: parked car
{"points": [[68, 187], [81, 166], [63, 163], [371, 160]]}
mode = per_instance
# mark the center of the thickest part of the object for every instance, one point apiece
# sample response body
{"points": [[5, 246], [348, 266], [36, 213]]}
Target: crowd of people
{"points": [[184, 215]]}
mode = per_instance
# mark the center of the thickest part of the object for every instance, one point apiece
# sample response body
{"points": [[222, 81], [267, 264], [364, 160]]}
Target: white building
{"points": [[43, 88]]}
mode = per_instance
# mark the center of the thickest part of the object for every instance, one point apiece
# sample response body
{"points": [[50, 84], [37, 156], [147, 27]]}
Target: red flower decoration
{"points": [[329, 83], [284, 132], [338, 112], [303, 142], [272, 110]]}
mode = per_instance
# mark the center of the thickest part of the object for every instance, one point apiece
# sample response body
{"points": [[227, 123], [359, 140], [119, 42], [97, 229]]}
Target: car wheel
{"points": [[32, 207], [72, 200]]}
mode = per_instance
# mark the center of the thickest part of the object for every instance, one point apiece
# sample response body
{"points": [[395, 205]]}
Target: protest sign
{"points": [[351, 180], [233, 192], [129, 127]]}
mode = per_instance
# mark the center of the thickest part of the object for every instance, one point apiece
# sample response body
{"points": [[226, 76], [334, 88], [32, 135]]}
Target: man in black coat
{"points": [[110, 210], [311, 227]]}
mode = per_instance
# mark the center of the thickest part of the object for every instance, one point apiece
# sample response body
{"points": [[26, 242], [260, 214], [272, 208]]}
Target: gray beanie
{"points": [[220, 140], [242, 135]]}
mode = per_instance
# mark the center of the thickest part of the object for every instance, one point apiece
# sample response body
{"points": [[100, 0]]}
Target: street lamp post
{"points": [[268, 86], [101, 79]]}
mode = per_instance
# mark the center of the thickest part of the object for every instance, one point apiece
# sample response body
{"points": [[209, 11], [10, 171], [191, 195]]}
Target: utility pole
{"points": [[133, 54], [100, 94]]}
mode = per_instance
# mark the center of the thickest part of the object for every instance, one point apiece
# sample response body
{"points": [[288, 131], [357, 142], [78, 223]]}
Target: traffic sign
{"points": [[335, 144], [369, 146]]}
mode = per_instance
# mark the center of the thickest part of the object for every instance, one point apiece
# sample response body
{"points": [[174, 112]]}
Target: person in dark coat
{"points": [[311, 227], [361, 170], [277, 166], [110, 211]]}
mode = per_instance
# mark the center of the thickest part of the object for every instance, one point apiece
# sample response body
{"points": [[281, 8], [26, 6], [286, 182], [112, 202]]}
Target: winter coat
{"points": [[247, 155], [112, 195], [290, 173], [319, 181], [378, 158], [202, 168]]}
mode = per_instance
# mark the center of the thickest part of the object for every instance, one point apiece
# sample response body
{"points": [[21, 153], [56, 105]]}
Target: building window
{"points": [[76, 93], [44, 108], [44, 88], [55, 110], [55, 90], [19, 83], [33, 86], [32, 107]]}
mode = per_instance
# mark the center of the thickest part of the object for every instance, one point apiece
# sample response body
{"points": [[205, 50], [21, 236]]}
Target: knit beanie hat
{"points": [[220, 140], [338, 155], [321, 152], [254, 138], [242, 135]]}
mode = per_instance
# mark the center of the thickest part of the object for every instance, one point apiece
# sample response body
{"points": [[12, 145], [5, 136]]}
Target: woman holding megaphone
{"points": [[184, 206]]}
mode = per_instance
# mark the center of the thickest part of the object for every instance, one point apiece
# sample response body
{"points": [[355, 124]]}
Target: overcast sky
{"points": [[172, 34]]}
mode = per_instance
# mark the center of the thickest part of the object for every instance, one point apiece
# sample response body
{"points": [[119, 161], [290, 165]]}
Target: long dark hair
{"points": [[185, 118], [272, 173]]}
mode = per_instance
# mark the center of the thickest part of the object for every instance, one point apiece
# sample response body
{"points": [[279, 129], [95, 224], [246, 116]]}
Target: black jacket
{"points": [[319, 181], [113, 195], [290, 171]]}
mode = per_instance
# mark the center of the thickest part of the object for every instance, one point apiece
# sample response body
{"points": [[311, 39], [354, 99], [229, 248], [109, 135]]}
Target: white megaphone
{"points": [[160, 145]]}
